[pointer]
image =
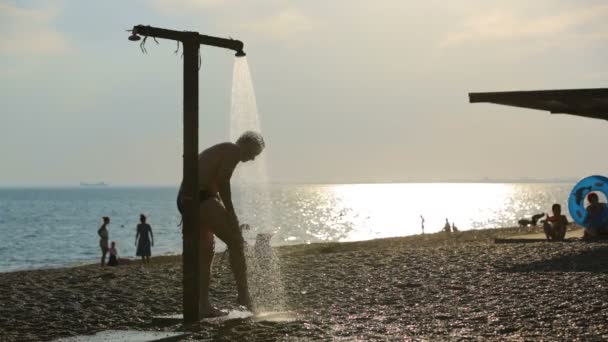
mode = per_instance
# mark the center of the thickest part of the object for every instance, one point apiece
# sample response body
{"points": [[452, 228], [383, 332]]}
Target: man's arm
{"points": [[226, 195], [151, 234], [227, 166]]}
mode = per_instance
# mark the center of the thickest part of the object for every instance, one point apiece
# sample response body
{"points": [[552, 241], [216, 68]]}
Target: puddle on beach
{"points": [[122, 336], [275, 316], [270, 316]]}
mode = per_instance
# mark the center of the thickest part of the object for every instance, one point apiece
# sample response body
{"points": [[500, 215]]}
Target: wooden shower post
{"points": [[191, 233], [191, 42]]}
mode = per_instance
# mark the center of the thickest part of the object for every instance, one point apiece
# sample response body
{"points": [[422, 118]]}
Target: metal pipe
{"points": [[149, 31]]}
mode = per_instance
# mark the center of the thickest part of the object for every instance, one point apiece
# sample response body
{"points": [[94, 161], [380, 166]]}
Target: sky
{"points": [[347, 90]]}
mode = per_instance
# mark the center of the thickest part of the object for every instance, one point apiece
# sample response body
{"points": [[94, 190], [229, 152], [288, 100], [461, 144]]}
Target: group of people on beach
{"points": [[450, 229], [447, 228], [217, 217], [555, 226], [144, 240]]}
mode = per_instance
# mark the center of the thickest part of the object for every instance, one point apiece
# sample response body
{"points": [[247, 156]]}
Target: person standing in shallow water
{"points": [[104, 236], [144, 240], [422, 223], [217, 215]]}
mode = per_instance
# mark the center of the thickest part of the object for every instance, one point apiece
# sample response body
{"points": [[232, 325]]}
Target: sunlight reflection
{"points": [[308, 213], [397, 207]]}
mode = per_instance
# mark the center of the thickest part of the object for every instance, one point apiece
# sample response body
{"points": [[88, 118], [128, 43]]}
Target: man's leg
{"points": [[236, 250], [231, 235], [104, 252], [561, 231], [207, 249], [548, 230]]}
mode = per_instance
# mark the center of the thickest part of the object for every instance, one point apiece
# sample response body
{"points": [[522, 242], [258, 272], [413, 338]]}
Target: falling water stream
{"points": [[251, 178]]}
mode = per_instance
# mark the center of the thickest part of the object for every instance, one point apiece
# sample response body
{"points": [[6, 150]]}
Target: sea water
{"points": [[42, 227]]}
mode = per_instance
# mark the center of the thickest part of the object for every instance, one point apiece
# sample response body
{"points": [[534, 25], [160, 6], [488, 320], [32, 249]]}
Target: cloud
{"points": [[186, 6], [501, 25], [283, 25], [29, 31], [276, 19]]}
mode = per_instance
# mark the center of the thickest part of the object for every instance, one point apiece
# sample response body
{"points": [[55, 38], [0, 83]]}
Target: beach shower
{"points": [[191, 42]]}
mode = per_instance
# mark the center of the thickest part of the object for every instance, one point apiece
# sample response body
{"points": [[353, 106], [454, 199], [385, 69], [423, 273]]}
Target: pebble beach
{"points": [[427, 287]]}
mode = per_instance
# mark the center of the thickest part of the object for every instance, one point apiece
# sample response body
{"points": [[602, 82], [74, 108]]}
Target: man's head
{"points": [[593, 198], [251, 144], [557, 209]]}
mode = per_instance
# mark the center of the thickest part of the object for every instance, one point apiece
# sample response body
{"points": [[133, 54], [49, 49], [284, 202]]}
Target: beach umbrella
{"points": [[590, 103]]}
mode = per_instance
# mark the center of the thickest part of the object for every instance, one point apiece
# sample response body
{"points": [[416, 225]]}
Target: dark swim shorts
{"points": [[203, 195]]}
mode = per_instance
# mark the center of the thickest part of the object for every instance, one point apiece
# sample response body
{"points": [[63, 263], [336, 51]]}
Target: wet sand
{"points": [[431, 287]]}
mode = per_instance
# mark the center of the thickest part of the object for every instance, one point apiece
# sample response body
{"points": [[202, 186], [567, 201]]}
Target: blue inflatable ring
{"points": [[576, 200]]}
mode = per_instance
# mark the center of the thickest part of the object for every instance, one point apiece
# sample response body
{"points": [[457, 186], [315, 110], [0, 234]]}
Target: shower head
{"points": [[240, 53], [134, 37]]}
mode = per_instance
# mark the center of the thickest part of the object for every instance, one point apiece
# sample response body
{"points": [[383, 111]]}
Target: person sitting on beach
{"points": [[595, 216], [113, 261], [144, 239], [103, 239], [217, 215], [555, 226]]}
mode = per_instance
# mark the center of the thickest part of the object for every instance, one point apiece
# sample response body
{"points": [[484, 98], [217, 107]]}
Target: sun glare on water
{"points": [[396, 208]]}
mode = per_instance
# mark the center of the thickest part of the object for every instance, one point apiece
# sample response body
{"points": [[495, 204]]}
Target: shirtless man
{"points": [[217, 216], [555, 226], [595, 220]]}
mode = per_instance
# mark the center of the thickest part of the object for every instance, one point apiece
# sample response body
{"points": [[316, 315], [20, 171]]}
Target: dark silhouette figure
{"points": [[113, 260], [555, 226], [531, 222], [454, 229], [217, 215], [422, 223], [596, 216], [144, 240], [104, 236], [447, 227]]}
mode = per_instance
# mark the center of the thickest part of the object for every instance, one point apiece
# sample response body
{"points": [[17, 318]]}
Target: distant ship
{"points": [[93, 184]]}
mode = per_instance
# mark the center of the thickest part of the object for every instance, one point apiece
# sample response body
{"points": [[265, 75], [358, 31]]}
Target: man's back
{"points": [[216, 164]]}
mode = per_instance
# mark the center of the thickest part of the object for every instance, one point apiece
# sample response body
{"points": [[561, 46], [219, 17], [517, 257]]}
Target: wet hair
{"points": [[142, 218], [556, 207], [106, 219], [253, 139], [592, 197]]}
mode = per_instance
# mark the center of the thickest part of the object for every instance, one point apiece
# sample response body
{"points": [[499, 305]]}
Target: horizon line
{"points": [[472, 181]]}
